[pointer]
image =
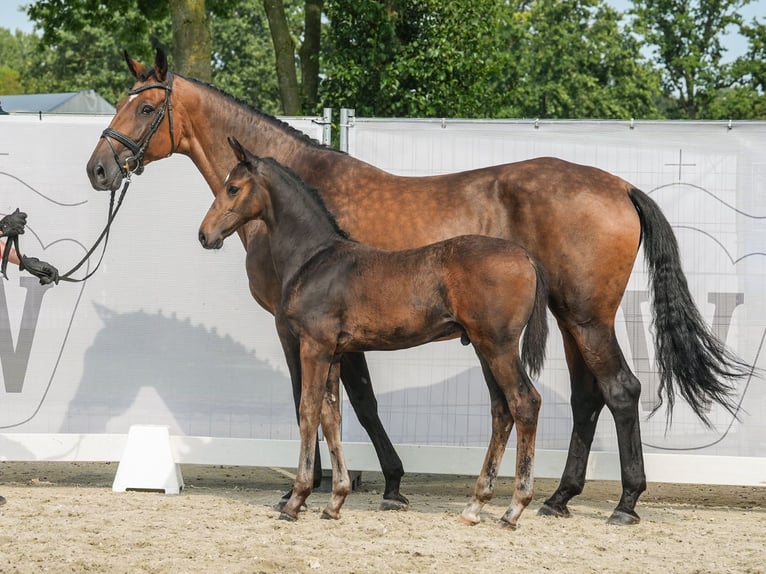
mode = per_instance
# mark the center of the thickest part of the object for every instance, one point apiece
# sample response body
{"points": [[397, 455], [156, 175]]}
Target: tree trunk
{"points": [[191, 39], [284, 49], [309, 54]]}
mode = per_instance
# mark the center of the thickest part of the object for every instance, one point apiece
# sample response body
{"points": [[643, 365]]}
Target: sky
{"points": [[12, 18]]}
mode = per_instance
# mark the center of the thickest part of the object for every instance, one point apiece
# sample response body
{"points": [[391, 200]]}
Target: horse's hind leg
{"points": [[341, 484], [358, 385], [502, 423], [524, 401], [586, 402], [619, 389]]}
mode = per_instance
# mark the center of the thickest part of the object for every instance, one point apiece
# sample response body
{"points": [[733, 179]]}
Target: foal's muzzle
{"points": [[207, 244]]}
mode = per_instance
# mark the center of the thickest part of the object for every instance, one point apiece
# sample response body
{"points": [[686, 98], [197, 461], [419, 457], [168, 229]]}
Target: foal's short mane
{"points": [[296, 182], [284, 126]]}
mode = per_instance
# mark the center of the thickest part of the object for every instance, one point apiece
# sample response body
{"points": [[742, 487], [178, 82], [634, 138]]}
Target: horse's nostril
{"points": [[202, 238], [100, 172]]}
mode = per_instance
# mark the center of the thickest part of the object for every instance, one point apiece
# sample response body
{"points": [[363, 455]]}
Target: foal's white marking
{"points": [[132, 97]]}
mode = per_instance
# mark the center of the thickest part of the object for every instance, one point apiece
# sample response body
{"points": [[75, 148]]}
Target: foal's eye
{"points": [[232, 190], [147, 109]]}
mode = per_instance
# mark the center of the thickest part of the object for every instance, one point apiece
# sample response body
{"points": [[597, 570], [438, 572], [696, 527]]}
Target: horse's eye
{"points": [[147, 109], [232, 190]]}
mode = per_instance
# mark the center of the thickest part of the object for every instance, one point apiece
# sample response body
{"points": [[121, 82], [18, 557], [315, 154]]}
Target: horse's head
{"points": [[240, 200], [140, 131]]}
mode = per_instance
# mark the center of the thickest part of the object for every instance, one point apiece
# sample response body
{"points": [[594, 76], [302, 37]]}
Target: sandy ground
{"points": [[64, 517]]}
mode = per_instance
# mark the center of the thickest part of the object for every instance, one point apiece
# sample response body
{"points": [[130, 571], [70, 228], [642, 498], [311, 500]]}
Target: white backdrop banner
{"points": [[166, 333], [709, 179]]}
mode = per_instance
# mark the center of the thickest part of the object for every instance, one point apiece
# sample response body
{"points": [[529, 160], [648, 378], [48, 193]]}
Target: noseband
{"points": [[135, 163]]}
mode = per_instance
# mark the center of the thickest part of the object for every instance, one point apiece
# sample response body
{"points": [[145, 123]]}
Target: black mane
{"points": [[284, 126], [311, 191]]}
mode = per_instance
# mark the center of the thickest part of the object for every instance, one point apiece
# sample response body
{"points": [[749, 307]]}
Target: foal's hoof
{"points": [[547, 510], [329, 515], [398, 503], [286, 517], [623, 518], [470, 515], [505, 525]]}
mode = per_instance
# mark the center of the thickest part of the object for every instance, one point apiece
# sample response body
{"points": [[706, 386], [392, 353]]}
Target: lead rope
{"points": [[103, 237], [12, 240]]}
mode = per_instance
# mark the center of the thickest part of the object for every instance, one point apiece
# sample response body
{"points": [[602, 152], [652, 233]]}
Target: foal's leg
{"points": [[502, 423], [524, 402], [358, 385], [341, 484], [291, 349], [315, 368]]}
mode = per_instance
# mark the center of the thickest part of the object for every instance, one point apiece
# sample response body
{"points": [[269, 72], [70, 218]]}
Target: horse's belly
{"points": [[394, 338]]}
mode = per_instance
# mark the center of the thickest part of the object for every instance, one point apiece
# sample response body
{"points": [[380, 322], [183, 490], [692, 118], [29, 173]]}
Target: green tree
{"points": [[181, 24], [686, 38], [577, 60], [13, 50], [411, 57], [745, 97], [82, 43], [243, 55], [191, 38]]}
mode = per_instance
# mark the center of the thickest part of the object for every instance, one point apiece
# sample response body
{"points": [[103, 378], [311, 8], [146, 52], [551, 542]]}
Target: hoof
{"points": [[328, 516], [546, 510], [505, 525], [399, 503], [2, 500], [286, 517], [622, 518], [469, 521], [280, 506]]}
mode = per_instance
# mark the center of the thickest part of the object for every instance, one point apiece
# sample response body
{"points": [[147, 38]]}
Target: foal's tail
{"points": [[690, 358], [536, 333]]}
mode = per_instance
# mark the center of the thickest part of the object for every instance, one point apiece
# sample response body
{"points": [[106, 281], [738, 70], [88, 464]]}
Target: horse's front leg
{"points": [[502, 423], [358, 385], [341, 484], [525, 407], [315, 368], [291, 349]]}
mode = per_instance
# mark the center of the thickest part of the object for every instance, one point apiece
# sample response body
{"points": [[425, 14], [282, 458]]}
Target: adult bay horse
{"points": [[581, 224], [341, 296]]}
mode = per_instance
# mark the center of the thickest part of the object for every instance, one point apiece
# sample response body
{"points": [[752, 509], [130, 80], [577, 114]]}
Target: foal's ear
{"points": [[161, 65], [239, 151], [136, 68]]}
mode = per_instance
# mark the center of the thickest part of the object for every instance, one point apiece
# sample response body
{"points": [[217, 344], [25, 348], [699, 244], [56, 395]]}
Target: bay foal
{"points": [[339, 295]]}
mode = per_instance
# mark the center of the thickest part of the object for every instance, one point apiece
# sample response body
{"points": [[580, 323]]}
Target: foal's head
{"points": [[242, 199]]}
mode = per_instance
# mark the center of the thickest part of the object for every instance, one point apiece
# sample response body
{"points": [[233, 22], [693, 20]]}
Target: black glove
{"points": [[43, 270], [14, 223]]}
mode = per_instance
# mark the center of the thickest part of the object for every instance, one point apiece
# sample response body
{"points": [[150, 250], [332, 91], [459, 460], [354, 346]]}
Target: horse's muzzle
{"points": [[207, 244], [103, 177]]}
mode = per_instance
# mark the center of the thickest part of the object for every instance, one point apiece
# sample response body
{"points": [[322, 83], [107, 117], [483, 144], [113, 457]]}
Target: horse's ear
{"points": [[239, 151], [160, 65], [136, 68]]}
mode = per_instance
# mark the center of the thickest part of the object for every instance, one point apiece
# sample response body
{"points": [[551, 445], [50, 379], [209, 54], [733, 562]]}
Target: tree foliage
{"points": [[577, 62], [431, 58], [411, 57], [686, 39]]}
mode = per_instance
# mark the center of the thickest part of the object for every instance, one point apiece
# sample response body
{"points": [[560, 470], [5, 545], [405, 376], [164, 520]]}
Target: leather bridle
{"points": [[135, 162]]}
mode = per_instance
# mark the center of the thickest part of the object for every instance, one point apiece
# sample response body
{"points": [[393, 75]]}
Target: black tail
{"points": [[536, 333], [690, 358]]}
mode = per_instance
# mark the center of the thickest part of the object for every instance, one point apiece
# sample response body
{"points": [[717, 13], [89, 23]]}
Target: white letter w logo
{"points": [[15, 361]]}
